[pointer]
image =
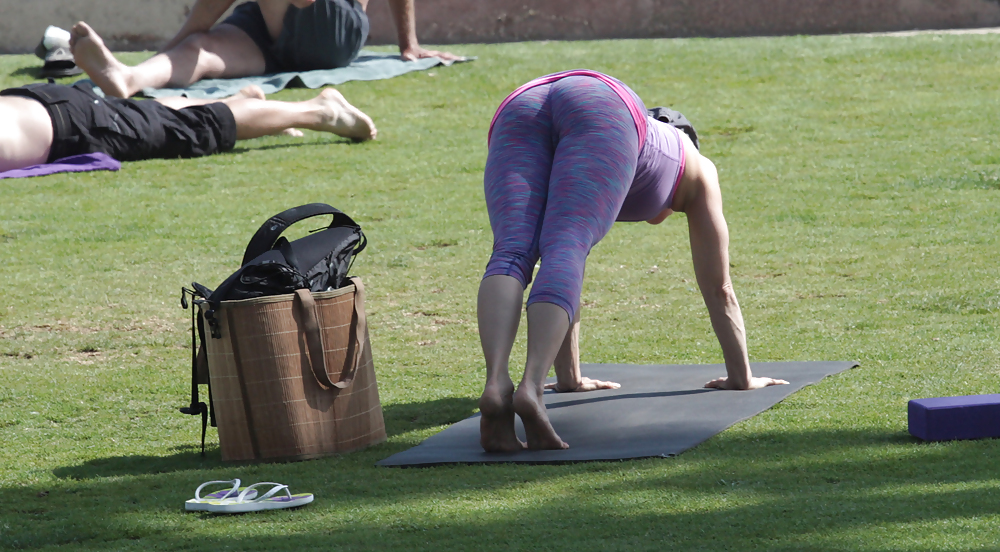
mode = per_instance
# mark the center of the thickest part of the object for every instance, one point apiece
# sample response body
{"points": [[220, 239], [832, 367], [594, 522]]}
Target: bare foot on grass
{"points": [[90, 53], [342, 118], [496, 422], [537, 427]]}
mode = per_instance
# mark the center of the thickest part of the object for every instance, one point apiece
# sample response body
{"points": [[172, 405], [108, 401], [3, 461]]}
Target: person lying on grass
{"points": [[260, 37], [41, 123], [570, 154]]}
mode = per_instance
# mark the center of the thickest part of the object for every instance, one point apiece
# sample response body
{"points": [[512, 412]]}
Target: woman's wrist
{"points": [[567, 387]]}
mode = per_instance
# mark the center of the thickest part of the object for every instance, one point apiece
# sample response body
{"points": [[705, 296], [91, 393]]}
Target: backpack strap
{"points": [[271, 230], [196, 407]]}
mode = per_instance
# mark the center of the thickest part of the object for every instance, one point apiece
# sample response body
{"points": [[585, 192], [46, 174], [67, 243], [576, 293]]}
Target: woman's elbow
{"points": [[723, 294]]}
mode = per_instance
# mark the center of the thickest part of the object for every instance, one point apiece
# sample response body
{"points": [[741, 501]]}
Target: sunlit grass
{"points": [[860, 180]]}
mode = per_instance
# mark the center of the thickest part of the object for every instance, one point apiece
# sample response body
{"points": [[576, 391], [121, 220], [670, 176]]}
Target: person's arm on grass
{"points": [[567, 365], [709, 236], [204, 14], [404, 16]]}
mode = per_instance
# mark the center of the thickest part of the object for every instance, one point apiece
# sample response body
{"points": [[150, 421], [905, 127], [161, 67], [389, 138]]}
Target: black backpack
{"points": [[675, 119], [272, 265]]}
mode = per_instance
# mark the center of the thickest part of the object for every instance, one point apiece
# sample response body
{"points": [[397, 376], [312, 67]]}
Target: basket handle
{"points": [[314, 335]]}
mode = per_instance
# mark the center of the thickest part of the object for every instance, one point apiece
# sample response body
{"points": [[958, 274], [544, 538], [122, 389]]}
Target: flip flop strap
{"points": [[278, 487], [235, 482]]}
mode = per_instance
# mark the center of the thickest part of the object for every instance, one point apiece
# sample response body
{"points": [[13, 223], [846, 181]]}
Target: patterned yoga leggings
{"points": [[561, 160]]}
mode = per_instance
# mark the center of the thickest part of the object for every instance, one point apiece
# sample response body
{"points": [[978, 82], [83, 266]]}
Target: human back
{"points": [[25, 133]]}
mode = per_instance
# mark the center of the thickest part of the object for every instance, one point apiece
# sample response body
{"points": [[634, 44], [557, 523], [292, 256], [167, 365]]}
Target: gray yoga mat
{"points": [[368, 66], [659, 411]]}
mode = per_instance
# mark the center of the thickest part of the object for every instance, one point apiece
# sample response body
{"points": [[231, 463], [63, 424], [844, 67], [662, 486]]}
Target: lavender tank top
{"points": [[659, 170]]}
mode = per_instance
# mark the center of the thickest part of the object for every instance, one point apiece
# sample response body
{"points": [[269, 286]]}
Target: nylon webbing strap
{"points": [[196, 407], [268, 233]]}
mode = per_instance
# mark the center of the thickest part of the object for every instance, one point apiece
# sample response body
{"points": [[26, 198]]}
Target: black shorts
{"points": [[129, 130], [326, 35]]}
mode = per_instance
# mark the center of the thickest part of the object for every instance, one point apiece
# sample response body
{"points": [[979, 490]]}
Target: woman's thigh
{"points": [[516, 182], [226, 51], [593, 165]]}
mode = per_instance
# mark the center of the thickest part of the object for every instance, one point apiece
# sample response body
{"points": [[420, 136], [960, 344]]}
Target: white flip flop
{"points": [[245, 502], [198, 502]]}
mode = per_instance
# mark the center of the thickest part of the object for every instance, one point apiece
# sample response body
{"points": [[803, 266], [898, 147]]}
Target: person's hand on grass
{"points": [[755, 383], [586, 384], [418, 52]]}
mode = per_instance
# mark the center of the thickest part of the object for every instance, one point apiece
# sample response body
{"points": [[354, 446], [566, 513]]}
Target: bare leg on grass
{"points": [[328, 112], [548, 326], [252, 91], [499, 313], [256, 117]]}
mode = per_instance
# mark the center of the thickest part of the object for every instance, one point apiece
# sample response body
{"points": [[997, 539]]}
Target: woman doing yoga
{"points": [[570, 154]]}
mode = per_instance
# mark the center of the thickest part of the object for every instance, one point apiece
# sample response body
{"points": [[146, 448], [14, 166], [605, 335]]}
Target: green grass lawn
{"points": [[862, 185]]}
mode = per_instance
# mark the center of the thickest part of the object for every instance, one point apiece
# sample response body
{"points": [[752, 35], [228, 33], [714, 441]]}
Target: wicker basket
{"points": [[272, 402]]}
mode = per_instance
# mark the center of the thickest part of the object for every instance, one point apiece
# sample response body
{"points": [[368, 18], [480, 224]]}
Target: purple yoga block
{"points": [[949, 418]]}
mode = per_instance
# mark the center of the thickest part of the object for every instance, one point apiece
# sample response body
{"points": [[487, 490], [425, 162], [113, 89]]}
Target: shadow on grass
{"points": [[332, 141], [403, 418], [121, 466], [399, 418], [781, 490], [33, 72]]}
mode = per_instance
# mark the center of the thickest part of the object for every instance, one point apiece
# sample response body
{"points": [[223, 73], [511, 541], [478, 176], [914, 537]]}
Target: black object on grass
{"points": [[658, 411]]}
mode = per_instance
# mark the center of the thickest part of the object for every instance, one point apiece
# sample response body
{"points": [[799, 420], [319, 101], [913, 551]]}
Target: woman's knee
{"points": [[208, 44], [520, 266], [194, 44], [202, 55]]}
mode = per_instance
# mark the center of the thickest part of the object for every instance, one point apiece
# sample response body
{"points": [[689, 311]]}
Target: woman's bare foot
{"points": [[90, 53], [342, 118], [537, 428], [496, 422]]}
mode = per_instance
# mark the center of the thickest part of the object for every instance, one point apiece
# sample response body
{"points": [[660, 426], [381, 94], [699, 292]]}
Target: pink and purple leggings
{"points": [[561, 160]]}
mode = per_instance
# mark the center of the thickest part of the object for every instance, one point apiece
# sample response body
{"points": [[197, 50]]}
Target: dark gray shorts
{"points": [[129, 130], [326, 35]]}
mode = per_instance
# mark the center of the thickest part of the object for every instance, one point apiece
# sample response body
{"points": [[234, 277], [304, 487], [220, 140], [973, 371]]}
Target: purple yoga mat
{"points": [[74, 163]]}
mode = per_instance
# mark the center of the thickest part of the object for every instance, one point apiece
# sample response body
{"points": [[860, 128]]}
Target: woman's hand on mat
{"points": [[418, 52], [586, 384], [755, 383]]}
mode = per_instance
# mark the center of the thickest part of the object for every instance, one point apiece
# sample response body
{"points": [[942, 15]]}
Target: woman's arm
{"points": [[404, 16], [709, 236], [204, 14], [567, 365]]}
